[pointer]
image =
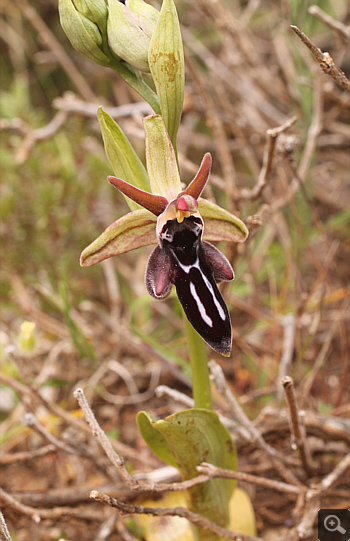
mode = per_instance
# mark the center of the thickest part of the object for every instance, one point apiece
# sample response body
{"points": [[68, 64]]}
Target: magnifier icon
{"points": [[332, 524]]}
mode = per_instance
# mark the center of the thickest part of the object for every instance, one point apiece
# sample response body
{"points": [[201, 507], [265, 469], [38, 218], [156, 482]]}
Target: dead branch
{"points": [[254, 434], [29, 419], [40, 514], [5, 534], [331, 479], [72, 104], [269, 150], [298, 439], [127, 509], [26, 456], [289, 324], [324, 60], [118, 461], [213, 472], [337, 26]]}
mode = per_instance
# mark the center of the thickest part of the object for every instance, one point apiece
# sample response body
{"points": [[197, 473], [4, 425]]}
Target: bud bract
{"points": [[94, 10], [130, 27], [79, 22]]}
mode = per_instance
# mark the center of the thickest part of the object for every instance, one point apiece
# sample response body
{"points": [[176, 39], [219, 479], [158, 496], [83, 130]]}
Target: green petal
{"points": [[166, 62], [161, 160], [219, 224], [134, 230], [121, 155]]}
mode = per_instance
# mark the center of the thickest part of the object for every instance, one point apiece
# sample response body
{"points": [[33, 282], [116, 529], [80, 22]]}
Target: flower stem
{"points": [[199, 367], [137, 83]]}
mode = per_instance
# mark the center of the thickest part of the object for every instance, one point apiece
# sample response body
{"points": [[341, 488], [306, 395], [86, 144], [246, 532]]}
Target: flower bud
{"points": [[130, 27], [83, 22], [94, 10]]}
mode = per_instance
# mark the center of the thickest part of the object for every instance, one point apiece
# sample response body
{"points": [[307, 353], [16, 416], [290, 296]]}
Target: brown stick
{"points": [[194, 518], [298, 431], [25, 456], [324, 60], [253, 433], [214, 472], [269, 151], [6, 500], [337, 26], [5, 534]]}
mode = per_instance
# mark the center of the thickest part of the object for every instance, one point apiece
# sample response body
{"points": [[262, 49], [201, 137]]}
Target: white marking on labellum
{"points": [[196, 265], [216, 302], [200, 305], [187, 268]]}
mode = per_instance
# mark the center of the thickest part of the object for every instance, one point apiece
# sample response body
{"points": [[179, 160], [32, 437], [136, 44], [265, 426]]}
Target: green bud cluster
{"points": [[108, 34]]}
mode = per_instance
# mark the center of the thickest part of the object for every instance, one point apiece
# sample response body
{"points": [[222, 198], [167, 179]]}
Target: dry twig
{"points": [[331, 479], [97, 431], [214, 472], [194, 518], [325, 61], [37, 515], [298, 440], [118, 461], [337, 26], [25, 456], [289, 324], [5, 534], [271, 139], [31, 137], [254, 434], [29, 419], [70, 103]]}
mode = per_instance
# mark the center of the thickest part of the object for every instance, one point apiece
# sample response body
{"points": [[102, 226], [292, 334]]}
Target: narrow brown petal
{"points": [[197, 185], [154, 203], [159, 273]]}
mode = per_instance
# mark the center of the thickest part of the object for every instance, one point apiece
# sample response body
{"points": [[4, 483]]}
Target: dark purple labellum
{"points": [[193, 267]]}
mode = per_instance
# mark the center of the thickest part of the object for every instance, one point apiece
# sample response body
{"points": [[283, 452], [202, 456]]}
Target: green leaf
{"points": [[166, 62], [121, 155], [194, 436], [134, 230], [161, 160], [154, 439], [219, 224]]}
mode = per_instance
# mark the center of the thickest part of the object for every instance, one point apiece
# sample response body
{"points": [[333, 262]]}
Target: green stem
{"points": [[138, 84], [199, 367]]}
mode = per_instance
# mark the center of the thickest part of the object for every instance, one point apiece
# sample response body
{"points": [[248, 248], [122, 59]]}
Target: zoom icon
{"points": [[334, 525]]}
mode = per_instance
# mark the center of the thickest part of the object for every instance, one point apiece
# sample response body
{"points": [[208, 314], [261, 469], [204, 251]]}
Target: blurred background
{"points": [[247, 72]]}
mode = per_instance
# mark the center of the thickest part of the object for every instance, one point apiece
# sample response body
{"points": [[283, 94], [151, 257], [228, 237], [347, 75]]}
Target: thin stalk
{"points": [[138, 84], [199, 367]]}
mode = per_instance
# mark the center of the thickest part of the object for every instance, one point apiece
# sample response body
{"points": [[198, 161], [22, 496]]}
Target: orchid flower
{"points": [[181, 223]]}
